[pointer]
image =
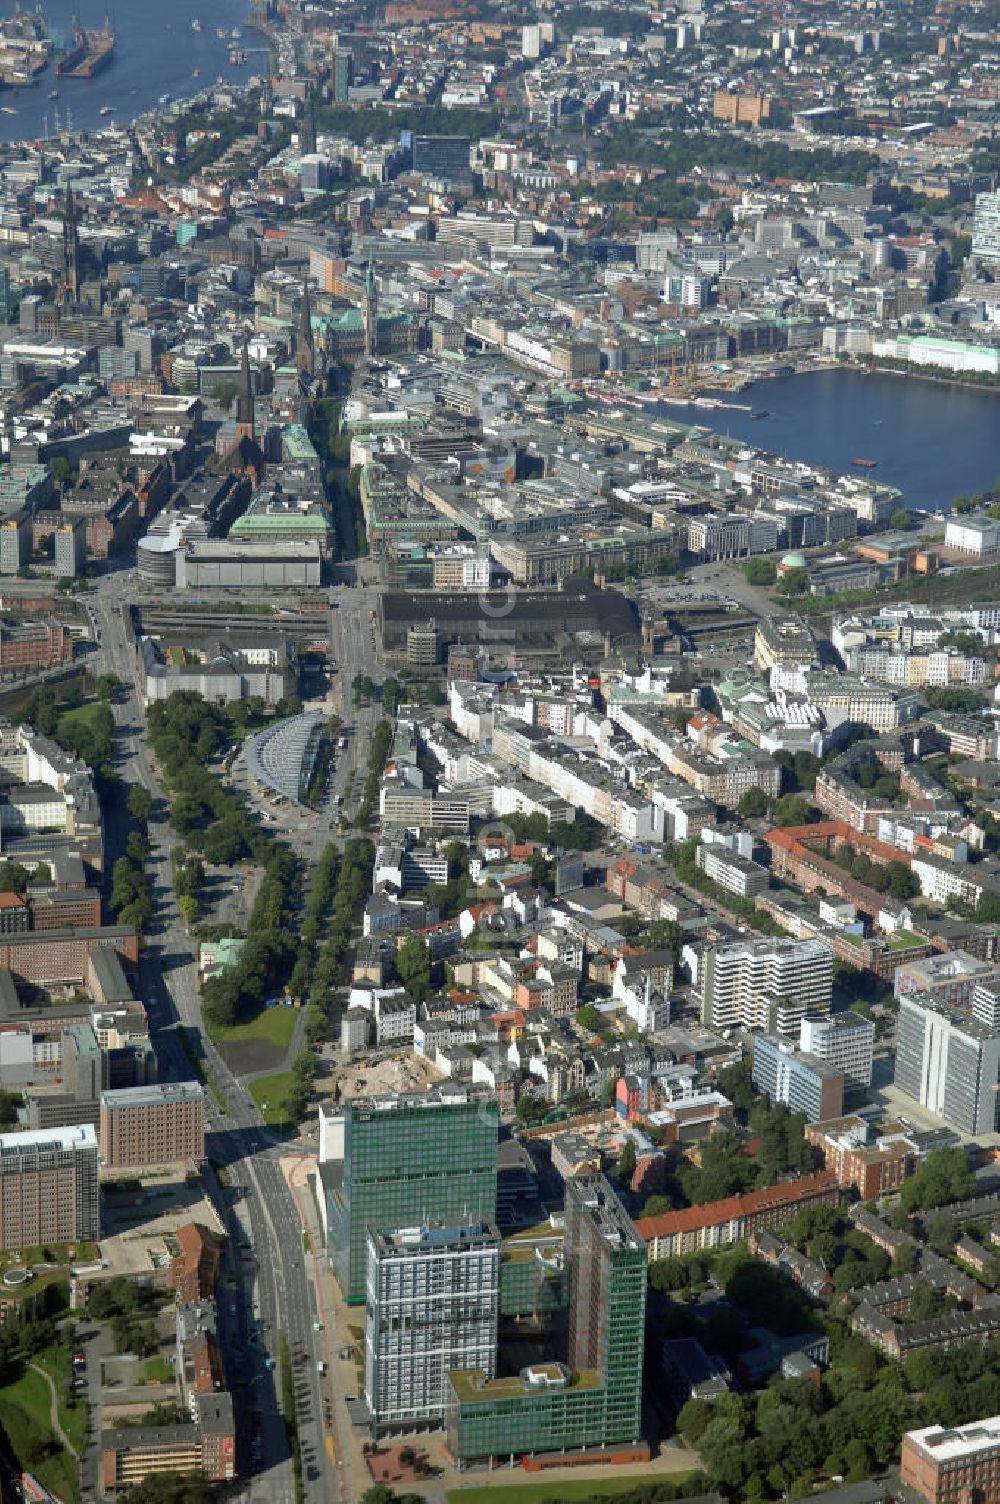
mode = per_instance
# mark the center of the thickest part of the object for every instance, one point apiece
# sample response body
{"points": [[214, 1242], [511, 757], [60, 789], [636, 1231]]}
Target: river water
{"points": [[934, 442], [156, 53]]}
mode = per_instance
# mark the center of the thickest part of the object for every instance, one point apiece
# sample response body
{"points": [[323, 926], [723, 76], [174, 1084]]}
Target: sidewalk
{"points": [[352, 1476]]}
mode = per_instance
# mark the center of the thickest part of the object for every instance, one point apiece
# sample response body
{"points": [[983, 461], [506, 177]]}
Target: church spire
{"points": [[369, 311], [305, 349], [244, 397], [71, 250]]}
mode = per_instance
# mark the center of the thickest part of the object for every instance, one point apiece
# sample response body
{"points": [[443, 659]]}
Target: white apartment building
{"points": [[915, 670], [948, 1063], [940, 880], [733, 873], [768, 984], [845, 1041]]}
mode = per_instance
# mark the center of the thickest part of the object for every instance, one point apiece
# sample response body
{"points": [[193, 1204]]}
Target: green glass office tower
{"points": [[606, 1257], [410, 1160], [595, 1399]]}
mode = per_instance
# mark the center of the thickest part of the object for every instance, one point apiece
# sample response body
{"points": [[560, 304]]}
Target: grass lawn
{"points": [[565, 1490], [274, 1091], [37, 1283], [57, 1362], [273, 1025], [24, 1415], [158, 1371], [89, 716]]}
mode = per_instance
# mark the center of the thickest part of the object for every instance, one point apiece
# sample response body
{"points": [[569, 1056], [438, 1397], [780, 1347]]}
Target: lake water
{"points": [[156, 54], [934, 442]]}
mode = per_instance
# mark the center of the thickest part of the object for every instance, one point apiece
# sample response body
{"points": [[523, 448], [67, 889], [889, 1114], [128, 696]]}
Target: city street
{"points": [[168, 984]]}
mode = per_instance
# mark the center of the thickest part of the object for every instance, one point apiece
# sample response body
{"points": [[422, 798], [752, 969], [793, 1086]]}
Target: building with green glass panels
{"points": [[606, 1260], [544, 1408], [532, 1275], [595, 1399], [409, 1160]]}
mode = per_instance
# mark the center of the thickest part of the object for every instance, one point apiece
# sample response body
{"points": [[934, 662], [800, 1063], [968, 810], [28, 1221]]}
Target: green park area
{"points": [[25, 1414], [274, 1095], [270, 1026], [567, 1491]]}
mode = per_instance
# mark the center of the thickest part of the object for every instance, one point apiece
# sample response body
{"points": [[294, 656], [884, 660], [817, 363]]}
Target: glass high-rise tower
{"points": [[606, 1260], [595, 1398], [409, 1160]]}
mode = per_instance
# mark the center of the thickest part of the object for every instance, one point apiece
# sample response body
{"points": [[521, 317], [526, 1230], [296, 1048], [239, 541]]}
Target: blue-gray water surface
{"points": [[157, 53], [933, 441]]}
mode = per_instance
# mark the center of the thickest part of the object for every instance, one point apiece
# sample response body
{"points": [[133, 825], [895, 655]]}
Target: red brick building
{"points": [[735, 1217], [955, 1465], [870, 1169], [59, 956], [77, 908], [35, 644], [194, 1270]]}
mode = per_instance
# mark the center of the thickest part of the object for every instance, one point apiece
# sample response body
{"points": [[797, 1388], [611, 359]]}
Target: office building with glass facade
{"points": [[431, 1307], [409, 1160], [595, 1399]]}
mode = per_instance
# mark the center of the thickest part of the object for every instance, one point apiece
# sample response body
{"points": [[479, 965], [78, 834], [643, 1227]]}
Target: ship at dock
{"points": [[90, 52], [25, 47]]}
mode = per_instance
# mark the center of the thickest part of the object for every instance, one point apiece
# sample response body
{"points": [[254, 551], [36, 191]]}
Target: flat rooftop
{"points": [[958, 1441], [77, 1136], [155, 1095], [471, 1384]]}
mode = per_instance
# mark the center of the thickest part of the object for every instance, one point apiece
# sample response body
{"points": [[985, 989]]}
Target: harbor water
{"points": [[156, 53], [931, 440]]}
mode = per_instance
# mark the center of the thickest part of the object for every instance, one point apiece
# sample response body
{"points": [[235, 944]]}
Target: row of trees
{"points": [[681, 151], [353, 885], [189, 878], [186, 733], [131, 899], [381, 742], [337, 889], [895, 878], [238, 992]]}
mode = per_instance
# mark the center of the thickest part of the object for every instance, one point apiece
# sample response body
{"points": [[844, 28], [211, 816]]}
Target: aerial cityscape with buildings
{"points": [[499, 703]]}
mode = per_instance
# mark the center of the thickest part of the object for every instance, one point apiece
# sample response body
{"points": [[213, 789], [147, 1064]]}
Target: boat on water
{"points": [[196, 24], [222, 33], [8, 109], [195, 72], [105, 109], [864, 464], [761, 413], [53, 93]]}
